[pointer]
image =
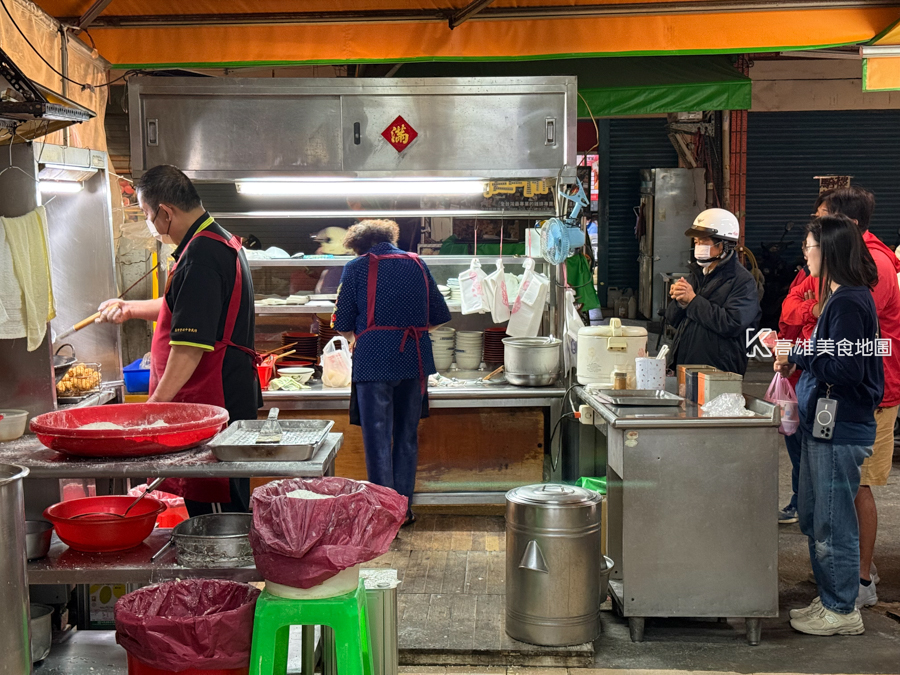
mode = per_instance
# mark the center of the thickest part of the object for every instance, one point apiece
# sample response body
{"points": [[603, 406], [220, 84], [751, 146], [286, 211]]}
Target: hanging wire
{"points": [[83, 85]]}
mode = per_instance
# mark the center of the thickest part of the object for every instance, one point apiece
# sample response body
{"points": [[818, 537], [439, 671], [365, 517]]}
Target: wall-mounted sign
{"points": [[399, 134]]}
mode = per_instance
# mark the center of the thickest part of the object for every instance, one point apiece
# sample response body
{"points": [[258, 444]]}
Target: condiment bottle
{"points": [[621, 380]]}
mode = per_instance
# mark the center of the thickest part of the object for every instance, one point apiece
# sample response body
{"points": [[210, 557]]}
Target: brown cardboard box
{"points": [[712, 384], [683, 371]]}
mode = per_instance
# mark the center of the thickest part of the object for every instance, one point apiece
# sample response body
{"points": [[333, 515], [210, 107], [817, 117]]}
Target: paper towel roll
{"points": [[651, 373]]}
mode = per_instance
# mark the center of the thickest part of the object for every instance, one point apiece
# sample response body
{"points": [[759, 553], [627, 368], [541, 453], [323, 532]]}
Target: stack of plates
{"points": [[326, 332], [445, 291], [469, 349], [493, 345], [307, 347], [443, 342], [455, 293]]}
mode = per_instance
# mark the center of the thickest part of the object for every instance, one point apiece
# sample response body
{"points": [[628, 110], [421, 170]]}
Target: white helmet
{"points": [[717, 223]]}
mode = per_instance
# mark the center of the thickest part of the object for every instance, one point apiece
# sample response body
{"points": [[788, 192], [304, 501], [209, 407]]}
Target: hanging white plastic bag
{"points": [[496, 293], [471, 289], [527, 311], [570, 338], [337, 366]]}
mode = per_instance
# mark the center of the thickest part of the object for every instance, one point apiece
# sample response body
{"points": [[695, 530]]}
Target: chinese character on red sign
{"points": [[399, 134]]}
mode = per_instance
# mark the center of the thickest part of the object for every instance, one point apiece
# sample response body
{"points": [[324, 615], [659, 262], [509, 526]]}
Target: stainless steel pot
{"points": [[15, 638], [553, 565], [38, 534], [531, 362], [214, 541], [41, 632]]}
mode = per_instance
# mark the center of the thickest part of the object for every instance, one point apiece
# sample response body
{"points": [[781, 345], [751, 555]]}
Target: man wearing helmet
{"points": [[715, 305]]}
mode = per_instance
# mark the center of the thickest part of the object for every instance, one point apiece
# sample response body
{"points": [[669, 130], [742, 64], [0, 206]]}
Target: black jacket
{"points": [[712, 329]]}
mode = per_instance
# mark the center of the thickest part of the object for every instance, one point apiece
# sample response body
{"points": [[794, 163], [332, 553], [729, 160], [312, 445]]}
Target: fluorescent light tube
{"points": [[60, 187], [347, 188]]}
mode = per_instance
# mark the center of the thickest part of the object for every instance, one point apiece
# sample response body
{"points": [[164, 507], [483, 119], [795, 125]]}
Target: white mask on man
{"points": [[161, 238], [703, 253]]}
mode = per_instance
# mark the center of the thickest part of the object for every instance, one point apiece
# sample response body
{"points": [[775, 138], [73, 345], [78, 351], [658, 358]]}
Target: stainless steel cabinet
{"points": [[224, 129]]}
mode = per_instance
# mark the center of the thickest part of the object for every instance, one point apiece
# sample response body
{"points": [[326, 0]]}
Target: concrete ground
{"points": [[674, 646], [702, 645]]}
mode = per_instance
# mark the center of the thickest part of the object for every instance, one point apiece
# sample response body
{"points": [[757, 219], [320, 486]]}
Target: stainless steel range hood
{"points": [[29, 110]]}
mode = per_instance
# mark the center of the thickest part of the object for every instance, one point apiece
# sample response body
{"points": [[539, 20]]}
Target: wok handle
{"points": [[164, 548]]}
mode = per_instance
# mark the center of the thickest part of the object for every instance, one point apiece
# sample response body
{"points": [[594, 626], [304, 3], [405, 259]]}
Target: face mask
{"points": [[161, 238], [702, 253]]}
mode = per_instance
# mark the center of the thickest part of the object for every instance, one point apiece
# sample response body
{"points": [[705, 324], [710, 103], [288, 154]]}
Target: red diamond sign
{"points": [[400, 134]]}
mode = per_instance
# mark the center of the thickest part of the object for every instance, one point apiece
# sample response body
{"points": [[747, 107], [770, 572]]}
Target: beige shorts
{"points": [[877, 467]]}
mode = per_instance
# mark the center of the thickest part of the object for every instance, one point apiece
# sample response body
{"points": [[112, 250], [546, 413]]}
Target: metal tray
{"points": [[300, 441], [637, 396]]}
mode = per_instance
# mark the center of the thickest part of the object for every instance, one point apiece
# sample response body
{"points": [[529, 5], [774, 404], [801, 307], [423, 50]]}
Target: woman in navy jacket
{"points": [[841, 363]]}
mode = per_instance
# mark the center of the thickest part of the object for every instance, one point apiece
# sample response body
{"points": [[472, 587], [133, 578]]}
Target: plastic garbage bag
{"points": [[303, 542], [337, 366], [781, 393], [205, 624], [727, 405]]}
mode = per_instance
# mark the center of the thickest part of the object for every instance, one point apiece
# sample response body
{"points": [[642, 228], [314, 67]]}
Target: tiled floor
{"points": [[451, 602]]}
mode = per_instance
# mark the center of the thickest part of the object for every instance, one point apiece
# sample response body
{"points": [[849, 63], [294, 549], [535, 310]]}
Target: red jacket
{"points": [[797, 320], [797, 312], [887, 305]]}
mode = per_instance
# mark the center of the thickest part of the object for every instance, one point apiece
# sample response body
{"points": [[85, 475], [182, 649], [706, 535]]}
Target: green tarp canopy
{"points": [[623, 86]]}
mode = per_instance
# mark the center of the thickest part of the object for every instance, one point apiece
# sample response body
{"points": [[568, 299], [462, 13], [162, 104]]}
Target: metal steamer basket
{"points": [[214, 541], [554, 566]]}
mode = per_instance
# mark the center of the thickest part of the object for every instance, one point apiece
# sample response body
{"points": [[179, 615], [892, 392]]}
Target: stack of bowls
{"points": [[493, 346], [445, 291], [455, 296], [443, 342], [469, 349]]}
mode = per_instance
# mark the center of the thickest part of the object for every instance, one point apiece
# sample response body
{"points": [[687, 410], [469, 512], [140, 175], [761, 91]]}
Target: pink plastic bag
{"points": [[194, 623], [303, 542], [781, 393]]}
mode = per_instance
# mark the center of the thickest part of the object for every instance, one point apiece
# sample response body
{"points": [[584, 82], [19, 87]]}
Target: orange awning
{"points": [[882, 73], [420, 31]]}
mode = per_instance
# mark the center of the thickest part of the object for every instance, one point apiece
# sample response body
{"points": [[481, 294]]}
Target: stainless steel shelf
{"points": [[85, 652], [430, 260], [199, 462], [267, 310], [65, 566]]}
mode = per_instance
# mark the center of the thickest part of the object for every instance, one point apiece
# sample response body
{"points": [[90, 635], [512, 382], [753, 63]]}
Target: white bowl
{"points": [[12, 426], [298, 374]]}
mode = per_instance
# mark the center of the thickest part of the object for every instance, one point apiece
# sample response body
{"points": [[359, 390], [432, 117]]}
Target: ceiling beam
{"points": [[86, 19], [486, 14], [468, 12]]}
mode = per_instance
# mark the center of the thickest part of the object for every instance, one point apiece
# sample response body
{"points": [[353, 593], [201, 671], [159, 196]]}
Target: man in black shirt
{"points": [[202, 349]]}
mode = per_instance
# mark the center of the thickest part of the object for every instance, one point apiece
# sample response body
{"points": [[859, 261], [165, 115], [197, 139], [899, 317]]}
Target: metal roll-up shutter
{"points": [[786, 150], [635, 144]]}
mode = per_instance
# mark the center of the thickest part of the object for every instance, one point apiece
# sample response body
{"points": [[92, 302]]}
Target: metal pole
{"points": [[726, 159], [64, 69]]}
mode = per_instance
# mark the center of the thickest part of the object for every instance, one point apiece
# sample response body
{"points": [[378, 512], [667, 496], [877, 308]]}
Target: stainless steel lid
{"points": [[552, 494]]}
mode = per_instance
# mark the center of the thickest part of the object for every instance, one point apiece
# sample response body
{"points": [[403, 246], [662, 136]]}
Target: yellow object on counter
{"points": [[28, 244]]}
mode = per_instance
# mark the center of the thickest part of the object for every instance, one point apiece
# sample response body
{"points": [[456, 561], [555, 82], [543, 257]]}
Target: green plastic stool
{"points": [[345, 614]]}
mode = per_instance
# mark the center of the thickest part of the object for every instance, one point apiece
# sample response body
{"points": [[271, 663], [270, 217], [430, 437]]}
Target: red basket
{"points": [[137, 667], [98, 534], [186, 425]]}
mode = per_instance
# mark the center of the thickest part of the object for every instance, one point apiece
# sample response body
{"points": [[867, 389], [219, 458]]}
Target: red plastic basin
{"points": [[136, 667], [186, 425], [104, 534]]}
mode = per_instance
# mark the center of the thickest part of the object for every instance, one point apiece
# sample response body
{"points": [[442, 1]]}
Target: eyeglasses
{"points": [[805, 248]]}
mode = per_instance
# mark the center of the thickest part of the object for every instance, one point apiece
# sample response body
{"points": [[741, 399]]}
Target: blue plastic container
{"points": [[137, 379]]}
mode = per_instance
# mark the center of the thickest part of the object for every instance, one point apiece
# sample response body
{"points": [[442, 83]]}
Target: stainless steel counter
{"points": [[65, 566], [691, 515], [686, 415], [194, 463], [319, 397]]}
